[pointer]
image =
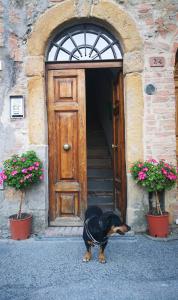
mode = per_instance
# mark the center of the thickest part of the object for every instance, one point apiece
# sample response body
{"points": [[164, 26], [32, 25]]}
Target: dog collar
{"points": [[94, 241]]}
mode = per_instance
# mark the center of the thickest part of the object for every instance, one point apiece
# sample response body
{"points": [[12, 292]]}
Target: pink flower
{"points": [[41, 177], [141, 175], [21, 181], [164, 171], [167, 166], [36, 168], [14, 160], [145, 169], [31, 168], [172, 176], [2, 177], [140, 165], [36, 164], [14, 173], [28, 176], [23, 159], [152, 160], [24, 171]]}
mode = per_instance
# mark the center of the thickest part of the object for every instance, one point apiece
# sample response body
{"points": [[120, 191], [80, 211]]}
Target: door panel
{"points": [[67, 144], [119, 146], [67, 128]]}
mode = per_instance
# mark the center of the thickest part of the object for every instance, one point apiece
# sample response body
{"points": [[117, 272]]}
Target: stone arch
{"points": [[123, 26], [107, 12]]}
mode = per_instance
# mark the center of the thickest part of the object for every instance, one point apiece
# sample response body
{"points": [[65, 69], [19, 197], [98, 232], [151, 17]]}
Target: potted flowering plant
{"points": [[20, 173], [155, 176]]}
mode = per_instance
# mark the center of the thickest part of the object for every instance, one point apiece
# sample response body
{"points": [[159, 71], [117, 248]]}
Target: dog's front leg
{"points": [[88, 254], [102, 258]]}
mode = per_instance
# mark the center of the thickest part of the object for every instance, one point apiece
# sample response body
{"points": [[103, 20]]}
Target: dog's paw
{"points": [[87, 257], [102, 259]]}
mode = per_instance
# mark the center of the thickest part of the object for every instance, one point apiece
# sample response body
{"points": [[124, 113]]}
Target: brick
{"points": [[144, 8]]}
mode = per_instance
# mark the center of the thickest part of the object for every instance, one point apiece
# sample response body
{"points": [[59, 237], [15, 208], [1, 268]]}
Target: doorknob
{"points": [[114, 146], [66, 147]]}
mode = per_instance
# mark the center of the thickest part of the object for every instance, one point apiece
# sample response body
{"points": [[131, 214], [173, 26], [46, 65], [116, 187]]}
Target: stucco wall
{"points": [[145, 29]]}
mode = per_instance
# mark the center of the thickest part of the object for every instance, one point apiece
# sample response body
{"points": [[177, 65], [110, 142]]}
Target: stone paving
{"points": [[137, 268]]}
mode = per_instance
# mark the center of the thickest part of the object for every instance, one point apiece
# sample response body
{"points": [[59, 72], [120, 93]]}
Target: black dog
{"points": [[98, 227]]}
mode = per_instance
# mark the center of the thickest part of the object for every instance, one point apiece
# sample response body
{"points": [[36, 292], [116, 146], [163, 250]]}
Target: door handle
{"points": [[114, 146], [66, 147]]}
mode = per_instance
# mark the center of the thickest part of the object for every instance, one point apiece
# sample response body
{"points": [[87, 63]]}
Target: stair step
{"points": [[100, 173], [96, 200], [99, 163], [100, 185], [104, 207], [98, 151]]}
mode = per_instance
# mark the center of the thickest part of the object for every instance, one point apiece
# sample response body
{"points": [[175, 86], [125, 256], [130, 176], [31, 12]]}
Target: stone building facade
{"points": [[148, 34]]}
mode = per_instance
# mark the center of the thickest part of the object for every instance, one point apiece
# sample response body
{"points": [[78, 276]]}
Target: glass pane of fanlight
{"points": [[108, 54], [101, 44], [52, 53], [68, 45], [90, 38], [118, 52], [79, 39], [62, 56]]}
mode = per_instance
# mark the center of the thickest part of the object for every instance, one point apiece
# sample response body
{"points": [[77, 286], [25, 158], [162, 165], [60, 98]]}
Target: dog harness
{"points": [[94, 241]]}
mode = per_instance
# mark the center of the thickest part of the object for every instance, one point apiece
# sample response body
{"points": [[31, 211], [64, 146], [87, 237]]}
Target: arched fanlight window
{"points": [[86, 42]]}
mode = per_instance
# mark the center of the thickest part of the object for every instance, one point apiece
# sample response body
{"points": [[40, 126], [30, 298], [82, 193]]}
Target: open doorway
{"points": [[104, 143], [99, 97]]}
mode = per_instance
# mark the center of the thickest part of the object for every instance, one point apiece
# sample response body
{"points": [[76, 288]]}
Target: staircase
{"points": [[99, 168]]}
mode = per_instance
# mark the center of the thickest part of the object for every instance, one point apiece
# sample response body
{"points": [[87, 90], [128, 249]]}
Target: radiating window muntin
{"points": [[84, 42]]}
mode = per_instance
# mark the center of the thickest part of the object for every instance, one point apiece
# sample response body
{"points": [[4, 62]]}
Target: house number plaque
{"points": [[157, 61]]}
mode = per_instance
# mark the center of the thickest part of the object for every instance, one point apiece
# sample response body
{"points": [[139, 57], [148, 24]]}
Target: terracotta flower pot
{"points": [[20, 229], [158, 226]]}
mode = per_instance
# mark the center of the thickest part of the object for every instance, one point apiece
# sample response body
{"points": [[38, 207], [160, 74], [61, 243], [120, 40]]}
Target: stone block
{"points": [[133, 62], [34, 66], [37, 110], [134, 116]]}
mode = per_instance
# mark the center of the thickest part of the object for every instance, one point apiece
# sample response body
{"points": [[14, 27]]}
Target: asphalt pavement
{"points": [[51, 268]]}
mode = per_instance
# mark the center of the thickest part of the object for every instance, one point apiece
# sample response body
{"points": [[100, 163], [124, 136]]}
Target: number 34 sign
{"points": [[157, 61]]}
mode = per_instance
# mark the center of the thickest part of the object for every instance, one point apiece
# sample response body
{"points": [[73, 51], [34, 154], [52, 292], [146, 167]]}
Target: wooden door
{"points": [[119, 146], [67, 146]]}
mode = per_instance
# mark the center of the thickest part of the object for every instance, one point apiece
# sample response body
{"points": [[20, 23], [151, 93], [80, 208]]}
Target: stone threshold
{"points": [[58, 232]]}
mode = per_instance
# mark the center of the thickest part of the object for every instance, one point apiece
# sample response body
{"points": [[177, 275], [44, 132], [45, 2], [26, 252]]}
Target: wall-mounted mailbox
{"points": [[16, 107]]}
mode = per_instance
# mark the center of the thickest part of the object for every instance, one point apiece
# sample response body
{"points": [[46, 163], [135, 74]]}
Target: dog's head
{"points": [[111, 223]]}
